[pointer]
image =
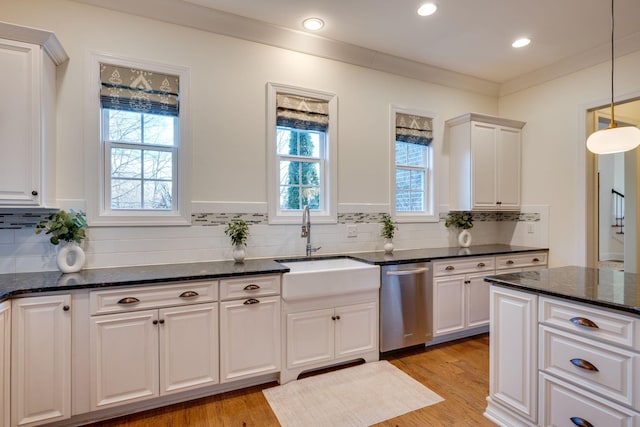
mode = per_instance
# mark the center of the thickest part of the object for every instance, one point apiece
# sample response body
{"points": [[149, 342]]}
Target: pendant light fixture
{"points": [[613, 139]]}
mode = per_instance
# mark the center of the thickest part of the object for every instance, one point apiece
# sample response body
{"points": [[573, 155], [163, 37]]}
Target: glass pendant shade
{"points": [[614, 140]]}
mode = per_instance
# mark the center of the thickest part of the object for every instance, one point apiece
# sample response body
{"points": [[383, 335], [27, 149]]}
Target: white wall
{"points": [[228, 78]]}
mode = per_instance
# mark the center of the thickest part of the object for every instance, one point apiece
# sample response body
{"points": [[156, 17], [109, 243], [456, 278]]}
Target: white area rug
{"points": [[359, 396]]}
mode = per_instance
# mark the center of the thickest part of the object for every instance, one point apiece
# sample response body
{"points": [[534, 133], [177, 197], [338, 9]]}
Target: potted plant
{"points": [[238, 232], [70, 228], [388, 231], [463, 221]]}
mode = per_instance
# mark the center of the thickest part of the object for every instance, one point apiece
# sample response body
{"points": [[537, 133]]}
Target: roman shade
{"points": [[414, 129], [124, 88], [302, 112]]}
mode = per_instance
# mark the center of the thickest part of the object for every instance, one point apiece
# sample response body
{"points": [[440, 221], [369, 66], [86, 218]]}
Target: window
{"points": [[143, 146], [412, 178], [302, 164]]}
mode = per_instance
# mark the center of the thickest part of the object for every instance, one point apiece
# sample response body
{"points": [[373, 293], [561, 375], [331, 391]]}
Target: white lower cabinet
{"points": [[137, 355], [328, 335], [40, 360], [5, 362], [249, 337]]}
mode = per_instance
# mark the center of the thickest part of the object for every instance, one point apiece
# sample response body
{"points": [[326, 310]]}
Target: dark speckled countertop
{"points": [[12, 285], [605, 288]]}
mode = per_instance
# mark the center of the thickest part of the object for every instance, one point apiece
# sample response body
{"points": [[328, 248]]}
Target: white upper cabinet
{"points": [[28, 60], [484, 168]]}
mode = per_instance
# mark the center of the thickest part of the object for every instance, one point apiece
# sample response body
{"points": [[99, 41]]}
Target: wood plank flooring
{"points": [[457, 371]]}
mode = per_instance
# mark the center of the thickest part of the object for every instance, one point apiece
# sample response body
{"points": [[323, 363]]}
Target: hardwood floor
{"points": [[457, 371]]}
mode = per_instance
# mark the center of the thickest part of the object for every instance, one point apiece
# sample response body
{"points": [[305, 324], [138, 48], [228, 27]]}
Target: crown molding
{"points": [[46, 39]]}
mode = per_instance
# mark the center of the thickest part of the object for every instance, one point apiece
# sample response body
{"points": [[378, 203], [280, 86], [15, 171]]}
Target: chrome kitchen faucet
{"points": [[306, 230]]}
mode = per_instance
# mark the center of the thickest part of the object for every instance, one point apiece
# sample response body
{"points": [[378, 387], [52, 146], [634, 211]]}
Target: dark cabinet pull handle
{"points": [[450, 268], [583, 321], [155, 322], [481, 264], [34, 193], [509, 262], [467, 282], [585, 364], [189, 294], [251, 301], [333, 317], [498, 203], [161, 321], [129, 300], [251, 287], [580, 422], [65, 308], [536, 260]]}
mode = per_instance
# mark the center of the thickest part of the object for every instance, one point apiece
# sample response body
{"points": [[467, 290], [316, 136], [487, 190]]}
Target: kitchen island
{"points": [[565, 348]]}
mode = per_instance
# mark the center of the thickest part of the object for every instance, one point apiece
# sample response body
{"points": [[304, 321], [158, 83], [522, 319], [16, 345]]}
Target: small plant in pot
{"points": [[388, 231], [463, 221], [238, 232], [67, 227]]}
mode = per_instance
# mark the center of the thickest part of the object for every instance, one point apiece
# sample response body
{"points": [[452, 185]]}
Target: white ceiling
{"points": [[471, 38]]}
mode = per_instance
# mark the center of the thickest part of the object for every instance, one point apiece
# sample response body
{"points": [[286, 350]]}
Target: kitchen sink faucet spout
{"points": [[306, 230]]}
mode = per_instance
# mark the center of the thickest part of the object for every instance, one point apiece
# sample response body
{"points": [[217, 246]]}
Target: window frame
{"points": [[99, 212], [431, 213], [328, 160]]}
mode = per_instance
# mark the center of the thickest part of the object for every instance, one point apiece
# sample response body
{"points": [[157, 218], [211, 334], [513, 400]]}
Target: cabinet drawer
{"points": [[609, 371], [565, 405], [531, 259], [145, 297], [473, 265], [248, 287], [588, 321]]}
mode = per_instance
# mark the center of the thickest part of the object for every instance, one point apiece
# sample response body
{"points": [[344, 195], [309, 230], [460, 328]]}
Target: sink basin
{"points": [[327, 277]]}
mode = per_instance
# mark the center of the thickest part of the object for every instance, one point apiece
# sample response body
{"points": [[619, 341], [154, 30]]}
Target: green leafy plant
{"points": [[461, 220], [238, 232], [388, 227], [67, 226]]}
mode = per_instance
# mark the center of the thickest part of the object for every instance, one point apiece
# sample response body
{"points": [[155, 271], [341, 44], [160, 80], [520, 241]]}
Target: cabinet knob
{"points": [[161, 321], [189, 294], [580, 422], [449, 268], [509, 262], [498, 203], [128, 300], [583, 321], [251, 287], [481, 264], [333, 317], [34, 193], [155, 322], [251, 301], [65, 307], [467, 282], [584, 364]]}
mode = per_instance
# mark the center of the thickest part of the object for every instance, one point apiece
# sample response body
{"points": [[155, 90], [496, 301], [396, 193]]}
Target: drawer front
{"points": [[473, 265], [532, 259], [248, 287], [566, 405], [145, 297], [609, 371], [588, 321]]}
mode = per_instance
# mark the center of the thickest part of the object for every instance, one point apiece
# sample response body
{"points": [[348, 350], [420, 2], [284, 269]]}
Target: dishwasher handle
{"points": [[407, 272]]}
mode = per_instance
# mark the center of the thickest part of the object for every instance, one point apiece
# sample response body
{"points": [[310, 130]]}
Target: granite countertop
{"points": [[12, 285], [605, 288]]}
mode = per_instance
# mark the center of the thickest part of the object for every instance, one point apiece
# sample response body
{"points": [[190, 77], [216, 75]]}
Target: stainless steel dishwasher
{"points": [[406, 300]]}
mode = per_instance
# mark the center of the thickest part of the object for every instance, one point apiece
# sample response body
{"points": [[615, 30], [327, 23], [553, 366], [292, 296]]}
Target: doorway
{"points": [[612, 202]]}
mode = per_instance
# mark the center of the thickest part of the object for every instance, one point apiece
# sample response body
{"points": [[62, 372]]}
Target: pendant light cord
{"points": [[613, 121]]}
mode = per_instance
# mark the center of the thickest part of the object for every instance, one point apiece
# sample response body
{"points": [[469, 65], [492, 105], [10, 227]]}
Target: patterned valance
{"points": [[124, 88], [301, 112], [414, 129]]}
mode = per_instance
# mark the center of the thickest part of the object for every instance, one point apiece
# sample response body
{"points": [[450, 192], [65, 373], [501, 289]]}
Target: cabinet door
{"points": [[5, 359], [124, 358], [249, 338], [508, 168], [188, 347], [310, 337], [477, 300], [483, 165], [448, 305], [40, 360], [356, 329], [20, 129], [513, 350]]}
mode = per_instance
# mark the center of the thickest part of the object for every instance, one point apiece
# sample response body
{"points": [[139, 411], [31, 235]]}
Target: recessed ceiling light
{"points": [[427, 9], [313, 24], [521, 42]]}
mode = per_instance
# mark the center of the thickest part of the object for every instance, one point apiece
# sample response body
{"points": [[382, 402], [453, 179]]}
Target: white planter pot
{"points": [[70, 257], [388, 246], [464, 238], [238, 253]]}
